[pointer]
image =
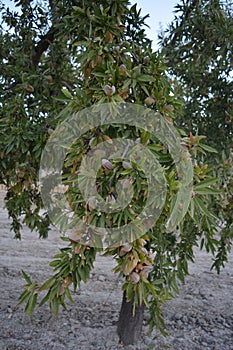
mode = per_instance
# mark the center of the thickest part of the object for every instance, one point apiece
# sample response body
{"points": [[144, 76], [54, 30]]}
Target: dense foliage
{"points": [[62, 57], [198, 45]]}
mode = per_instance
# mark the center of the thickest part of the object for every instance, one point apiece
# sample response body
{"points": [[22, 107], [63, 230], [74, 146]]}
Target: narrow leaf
{"points": [[205, 183], [199, 203], [26, 277], [207, 148], [31, 304], [46, 298], [23, 297], [146, 78], [47, 284]]}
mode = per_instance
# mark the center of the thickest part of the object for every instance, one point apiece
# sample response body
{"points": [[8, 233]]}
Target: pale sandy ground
{"points": [[201, 317]]}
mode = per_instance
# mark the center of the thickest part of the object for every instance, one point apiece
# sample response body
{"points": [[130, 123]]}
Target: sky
{"points": [[161, 13]]}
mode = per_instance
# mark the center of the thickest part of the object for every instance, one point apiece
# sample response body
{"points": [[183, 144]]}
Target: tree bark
{"points": [[43, 45], [129, 327]]}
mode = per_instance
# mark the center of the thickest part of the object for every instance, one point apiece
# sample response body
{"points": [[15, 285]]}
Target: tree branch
{"points": [[48, 38], [43, 45]]}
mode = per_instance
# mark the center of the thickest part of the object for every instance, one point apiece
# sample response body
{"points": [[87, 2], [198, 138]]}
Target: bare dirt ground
{"points": [[201, 317]]}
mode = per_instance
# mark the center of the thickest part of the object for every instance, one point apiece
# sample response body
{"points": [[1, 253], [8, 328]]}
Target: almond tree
{"points": [[199, 56], [61, 59], [200, 61]]}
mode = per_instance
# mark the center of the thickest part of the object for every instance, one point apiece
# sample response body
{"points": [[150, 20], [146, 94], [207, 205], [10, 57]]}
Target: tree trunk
{"points": [[130, 327]]}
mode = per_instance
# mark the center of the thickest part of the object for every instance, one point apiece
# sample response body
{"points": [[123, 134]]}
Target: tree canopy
{"points": [[60, 57], [198, 46]]}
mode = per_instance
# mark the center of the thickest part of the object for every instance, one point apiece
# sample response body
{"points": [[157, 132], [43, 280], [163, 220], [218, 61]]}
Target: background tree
{"points": [[199, 58], [63, 57], [197, 45]]}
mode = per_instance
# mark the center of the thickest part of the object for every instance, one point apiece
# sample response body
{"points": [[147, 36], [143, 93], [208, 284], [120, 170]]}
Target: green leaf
{"points": [[83, 274], [26, 277], [79, 10], [174, 286], [55, 263], [69, 295], [54, 291], [129, 291], [146, 78], [141, 292], [62, 301], [199, 203], [23, 297], [159, 281], [99, 74], [46, 298], [31, 304], [202, 243], [47, 284], [144, 88], [207, 148], [66, 93], [54, 306], [207, 191], [205, 183]]}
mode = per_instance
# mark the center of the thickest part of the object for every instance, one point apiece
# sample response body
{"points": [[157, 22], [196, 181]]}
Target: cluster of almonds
{"points": [[109, 166], [136, 269]]}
